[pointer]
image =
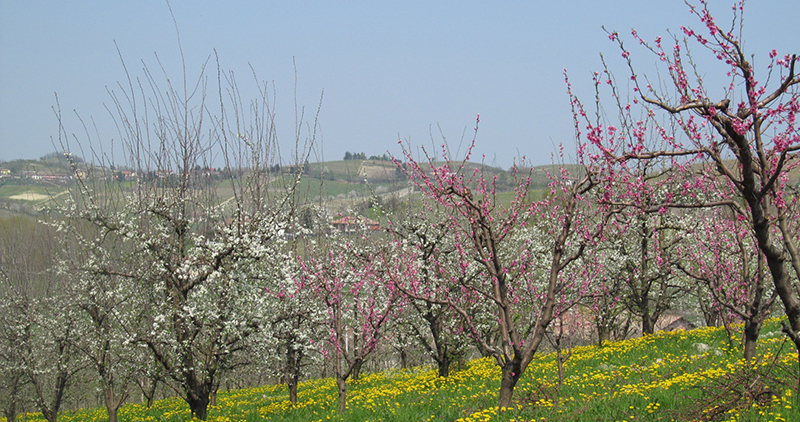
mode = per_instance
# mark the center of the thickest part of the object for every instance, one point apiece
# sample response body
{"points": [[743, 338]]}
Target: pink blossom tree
{"points": [[521, 260], [349, 281], [721, 254], [731, 147], [425, 238]]}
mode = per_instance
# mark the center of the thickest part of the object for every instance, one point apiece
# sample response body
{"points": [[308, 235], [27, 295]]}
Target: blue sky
{"points": [[389, 70]]}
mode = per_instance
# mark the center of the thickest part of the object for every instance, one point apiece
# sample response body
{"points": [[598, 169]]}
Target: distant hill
{"points": [[27, 185]]}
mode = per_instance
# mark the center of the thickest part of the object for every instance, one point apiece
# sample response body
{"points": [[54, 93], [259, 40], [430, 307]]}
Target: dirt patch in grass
{"points": [[30, 196]]}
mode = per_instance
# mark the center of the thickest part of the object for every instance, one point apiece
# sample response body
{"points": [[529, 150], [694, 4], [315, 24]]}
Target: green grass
{"points": [[353, 170], [663, 377], [313, 188]]}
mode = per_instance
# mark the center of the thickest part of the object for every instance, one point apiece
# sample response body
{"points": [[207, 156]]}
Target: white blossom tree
{"points": [[195, 252], [39, 325]]}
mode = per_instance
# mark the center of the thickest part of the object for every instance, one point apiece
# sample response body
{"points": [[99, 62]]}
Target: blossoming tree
{"points": [[517, 259], [734, 146], [425, 238], [720, 253], [347, 277], [199, 252]]}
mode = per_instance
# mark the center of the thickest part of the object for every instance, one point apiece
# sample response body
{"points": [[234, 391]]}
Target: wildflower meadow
{"points": [[668, 376]]}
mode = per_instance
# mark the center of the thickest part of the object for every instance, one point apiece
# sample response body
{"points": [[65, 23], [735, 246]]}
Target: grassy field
{"points": [[675, 376], [354, 170], [33, 192]]}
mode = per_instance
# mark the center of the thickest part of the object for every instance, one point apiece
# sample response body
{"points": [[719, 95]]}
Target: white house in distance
{"points": [[352, 224]]}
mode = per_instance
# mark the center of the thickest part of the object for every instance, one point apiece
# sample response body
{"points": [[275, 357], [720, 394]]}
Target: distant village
{"points": [[345, 224], [49, 175], [40, 175]]}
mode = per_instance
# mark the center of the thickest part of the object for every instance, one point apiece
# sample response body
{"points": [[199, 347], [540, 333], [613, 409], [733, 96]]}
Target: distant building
{"points": [[351, 224], [579, 326], [50, 177], [673, 322]]}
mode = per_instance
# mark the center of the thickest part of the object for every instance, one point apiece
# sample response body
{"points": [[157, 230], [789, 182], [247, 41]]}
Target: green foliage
{"points": [[668, 376]]}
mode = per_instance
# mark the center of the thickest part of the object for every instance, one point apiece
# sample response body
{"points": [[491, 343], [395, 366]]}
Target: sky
{"points": [[417, 71]]}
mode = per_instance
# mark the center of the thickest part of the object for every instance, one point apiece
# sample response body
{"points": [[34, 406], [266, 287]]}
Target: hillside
{"points": [[27, 185], [343, 186]]}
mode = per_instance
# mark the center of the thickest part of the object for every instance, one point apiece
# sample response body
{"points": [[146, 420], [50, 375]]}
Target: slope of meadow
{"points": [[695, 375]]}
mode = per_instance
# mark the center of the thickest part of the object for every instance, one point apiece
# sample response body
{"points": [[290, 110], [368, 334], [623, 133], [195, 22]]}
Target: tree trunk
{"points": [[511, 372], [561, 360], [442, 358], [444, 364], [648, 325], [603, 333], [292, 384], [50, 415], [292, 372], [112, 414], [751, 329], [342, 384], [151, 393], [198, 398], [111, 403], [510, 376], [199, 407], [356, 372]]}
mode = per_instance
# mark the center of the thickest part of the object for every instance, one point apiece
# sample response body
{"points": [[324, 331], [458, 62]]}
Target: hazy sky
{"points": [[389, 70]]}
